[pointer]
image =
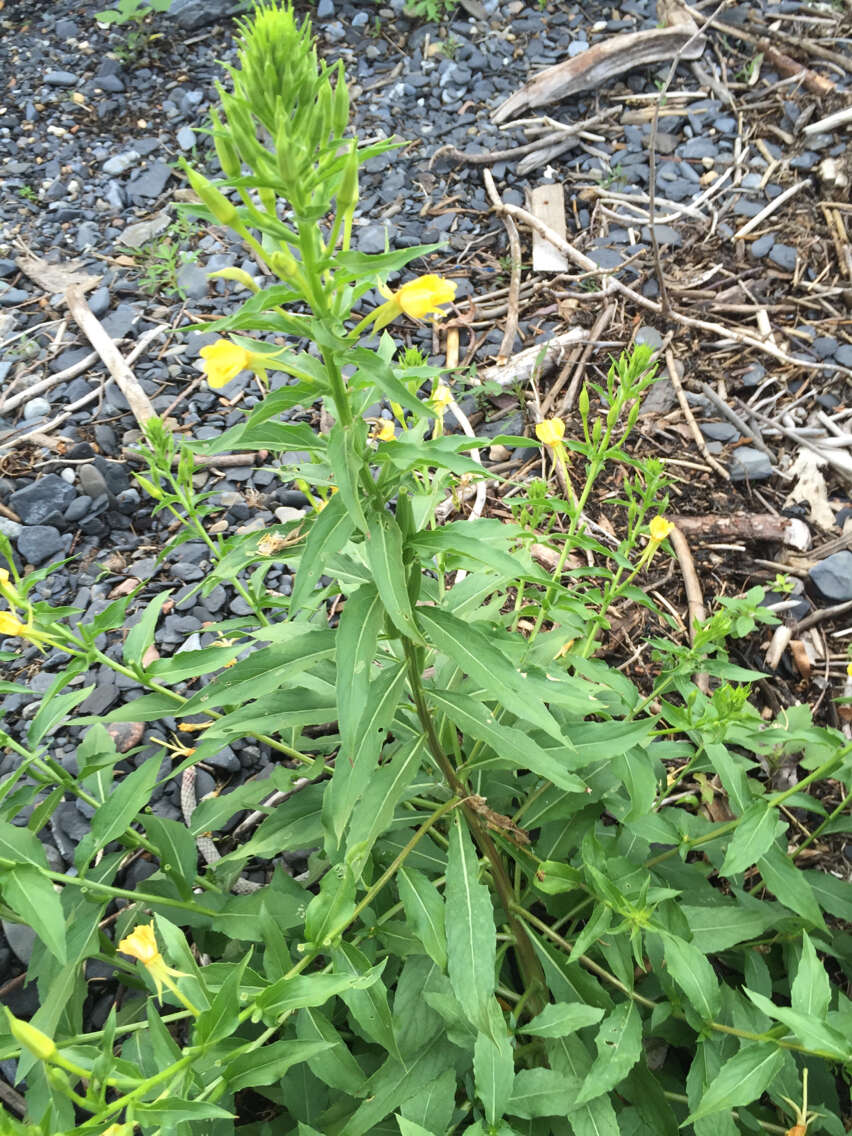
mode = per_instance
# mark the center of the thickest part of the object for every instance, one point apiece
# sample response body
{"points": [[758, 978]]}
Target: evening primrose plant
{"points": [[466, 897]]}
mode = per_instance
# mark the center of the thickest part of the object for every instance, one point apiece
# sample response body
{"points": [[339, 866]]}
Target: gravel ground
{"points": [[90, 130]]}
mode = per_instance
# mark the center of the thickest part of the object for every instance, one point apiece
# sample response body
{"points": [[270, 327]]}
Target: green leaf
{"points": [[694, 975], [329, 533], [811, 1031], [394, 1083], [175, 847], [309, 990], [34, 899], [741, 1079], [353, 769], [493, 1069], [368, 1006], [514, 748], [374, 370], [388, 785], [483, 541], [20, 846], [346, 466], [424, 911], [223, 1016], [409, 1128], [561, 1019], [541, 1092], [383, 549], [570, 1058], [810, 992], [269, 1063], [723, 925], [479, 657], [336, 1067], [619, 1045], [128, 799], [52, 710], [331, 909], [471, 944], [170, 1111], [759, 828], [789, 885], [141, 634], [357, 635]]}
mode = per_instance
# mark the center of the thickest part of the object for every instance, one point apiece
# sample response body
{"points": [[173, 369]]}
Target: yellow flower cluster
{"points": [[550, 431], [223, 361]]}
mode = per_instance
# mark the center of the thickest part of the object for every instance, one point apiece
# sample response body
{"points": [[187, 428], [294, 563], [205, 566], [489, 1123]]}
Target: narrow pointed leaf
{"points": [[383, 548], [471, 945], [741, 1079]]}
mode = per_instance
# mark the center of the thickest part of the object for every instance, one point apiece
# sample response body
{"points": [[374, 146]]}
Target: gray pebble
{"points": [[38, 543], [650, 337], [120, 163], [36, 408], [832, 577], [99, 302], [192, 281], [843, 355], [60, 79], [761, 246], [92, 481], [750, 464], [784, 256], [186, 138]]}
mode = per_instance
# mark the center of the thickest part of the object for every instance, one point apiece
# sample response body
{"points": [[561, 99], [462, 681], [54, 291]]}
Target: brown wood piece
{"points": [[816, 84], [602, 62], [735, 526]]}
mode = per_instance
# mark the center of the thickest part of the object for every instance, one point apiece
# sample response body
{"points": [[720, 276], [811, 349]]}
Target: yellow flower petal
{"points": [[384, 431], [660, 529], [141, 944], [849, 669], [551, 431], [419, 297], [441, 398], [9, 625], [223, 361]]}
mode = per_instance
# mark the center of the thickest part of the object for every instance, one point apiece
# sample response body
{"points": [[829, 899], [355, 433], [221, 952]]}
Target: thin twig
{"points": [[690, 417], [747, 431], [694, 597], [508, 343], [760, 217]]}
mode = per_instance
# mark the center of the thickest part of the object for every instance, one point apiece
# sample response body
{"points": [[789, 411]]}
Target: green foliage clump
{"points": [[512, 916]]}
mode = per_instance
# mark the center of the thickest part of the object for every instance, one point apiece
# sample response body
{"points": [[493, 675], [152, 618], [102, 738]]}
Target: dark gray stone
{"points": [[720, 431], [60, 79], [48, 496], [192, 281], [832, 577], [150, 182], [762, 246], [100, 700], [38, 543], [749, 464], [843, 355], [192, 14]]}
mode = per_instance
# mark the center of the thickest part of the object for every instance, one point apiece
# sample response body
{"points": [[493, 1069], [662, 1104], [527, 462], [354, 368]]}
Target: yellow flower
{"points": [[441, 398], [9, 625], [223, 361], [551, 431], [849, 669], [384, 431], [141, 944], [660, 529], [418, 299]]}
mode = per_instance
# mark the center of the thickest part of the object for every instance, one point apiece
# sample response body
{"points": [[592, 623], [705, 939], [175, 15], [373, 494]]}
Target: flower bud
{"points": [[221, 208], [38, 1043], [237, 274], [340, 104], [583, 403], [226, 151], [347, 195], [283, 263]]}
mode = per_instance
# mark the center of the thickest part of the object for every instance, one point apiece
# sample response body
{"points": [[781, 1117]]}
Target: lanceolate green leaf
{"points": [[128, 798], [424, 911], [383, 548], [741, 1079], [357, 634], [758, 829], [36, 903], [481, 658], [345, 465], [694, 975], [269, 1063], [619, 1045], [512, 747], [328, 534], [471, 946], [810, 992], [493, 1071], [789, 885], [369, 1005], [561, 1019], [337, 1067]]}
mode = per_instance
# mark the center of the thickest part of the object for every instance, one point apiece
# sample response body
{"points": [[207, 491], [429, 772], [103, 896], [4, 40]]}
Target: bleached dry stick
{"points": [[116, 364], [760, 217]]}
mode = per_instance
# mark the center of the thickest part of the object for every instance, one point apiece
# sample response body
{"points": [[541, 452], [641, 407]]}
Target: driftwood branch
{"points": [[602, 62]]}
